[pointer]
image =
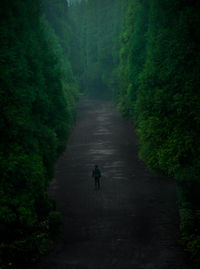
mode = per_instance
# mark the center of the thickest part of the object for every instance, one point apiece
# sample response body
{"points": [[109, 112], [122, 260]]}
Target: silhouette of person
{"points": [[96, 174]]}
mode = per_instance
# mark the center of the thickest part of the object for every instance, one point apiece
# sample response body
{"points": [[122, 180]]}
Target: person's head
{"points": [[96, 166]]}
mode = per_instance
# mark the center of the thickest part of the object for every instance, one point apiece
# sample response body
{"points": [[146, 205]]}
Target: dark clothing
{"points": [[97, 183], [96, 173]]}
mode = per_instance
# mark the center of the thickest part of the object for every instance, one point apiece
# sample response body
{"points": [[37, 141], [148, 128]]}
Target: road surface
{"points": [[132, 221]]}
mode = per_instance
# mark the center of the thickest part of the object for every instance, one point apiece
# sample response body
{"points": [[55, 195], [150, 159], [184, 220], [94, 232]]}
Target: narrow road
{"points": [[132, 222]]}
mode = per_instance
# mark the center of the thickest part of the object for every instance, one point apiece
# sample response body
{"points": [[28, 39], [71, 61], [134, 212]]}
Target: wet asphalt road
{"points": [[132, 222]]}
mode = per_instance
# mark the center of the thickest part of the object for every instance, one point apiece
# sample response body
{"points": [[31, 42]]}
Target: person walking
{"points": [[96, 174]]}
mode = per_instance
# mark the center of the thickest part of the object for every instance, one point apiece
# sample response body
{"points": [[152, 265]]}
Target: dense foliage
{"points": [[37, 99], [160, 81], [147, 54], [98, 25]]}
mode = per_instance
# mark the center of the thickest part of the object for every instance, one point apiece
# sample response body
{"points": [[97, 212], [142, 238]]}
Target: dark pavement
{"points": [[132, 221]]}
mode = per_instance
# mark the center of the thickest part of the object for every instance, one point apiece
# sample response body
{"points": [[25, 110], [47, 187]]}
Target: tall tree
{"points": [[99, 29], [159, 81], [36, 105]]}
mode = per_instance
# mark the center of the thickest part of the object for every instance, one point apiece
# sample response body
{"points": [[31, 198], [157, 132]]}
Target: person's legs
{"points": [[95, 180], [97, 183]]}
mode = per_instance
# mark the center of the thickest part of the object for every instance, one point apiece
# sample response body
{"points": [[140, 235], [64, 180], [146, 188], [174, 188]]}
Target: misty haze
{"points": [[100, 123]]}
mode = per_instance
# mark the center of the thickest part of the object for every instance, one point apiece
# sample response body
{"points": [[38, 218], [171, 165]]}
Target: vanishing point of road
{"points": [[132, 221]]}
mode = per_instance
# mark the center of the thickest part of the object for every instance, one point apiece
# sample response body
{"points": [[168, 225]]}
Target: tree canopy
{"points": [[38, 95]]}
